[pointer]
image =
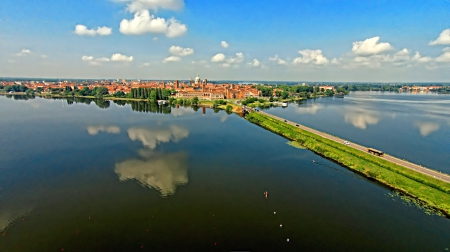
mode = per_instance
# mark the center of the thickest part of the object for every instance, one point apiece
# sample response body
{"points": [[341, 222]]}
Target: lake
{"points": [[86, 176]]}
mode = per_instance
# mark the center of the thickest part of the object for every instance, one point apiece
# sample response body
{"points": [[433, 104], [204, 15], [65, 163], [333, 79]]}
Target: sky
{"points": [[283, 40]]}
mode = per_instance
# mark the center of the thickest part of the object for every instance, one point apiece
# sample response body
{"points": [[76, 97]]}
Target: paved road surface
{"points": [[418, 168]]}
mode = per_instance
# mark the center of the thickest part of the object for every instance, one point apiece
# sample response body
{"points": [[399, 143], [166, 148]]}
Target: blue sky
{"points": [[320, 40]]}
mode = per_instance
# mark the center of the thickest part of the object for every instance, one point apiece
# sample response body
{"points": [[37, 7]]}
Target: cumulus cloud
{"points": [[115, 57], [180, 51], [370, 46], [152, 137], [162, 172], [443, 39], [418, 58], [94, 130], [236, 60], [84, 31], [427, 128], [87, 58], [218, 57], [224, 44], [120, 57], [255, 63], [399, 58], [311, 57], [278, 60], [24, 52], [138, 5], [171, 59], [143, 22], [445, 57]]}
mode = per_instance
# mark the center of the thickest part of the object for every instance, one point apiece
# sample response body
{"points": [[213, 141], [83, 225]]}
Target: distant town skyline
{"points": [[351, 41]]}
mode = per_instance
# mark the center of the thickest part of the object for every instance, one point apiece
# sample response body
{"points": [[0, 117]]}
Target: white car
{"points": [[346, 143]]}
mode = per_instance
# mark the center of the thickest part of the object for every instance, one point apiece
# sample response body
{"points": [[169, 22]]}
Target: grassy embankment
{"points": [[431, 191]]}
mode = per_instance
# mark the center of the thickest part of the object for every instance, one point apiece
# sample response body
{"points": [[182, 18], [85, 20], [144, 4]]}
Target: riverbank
{"points": [[433, 192]]}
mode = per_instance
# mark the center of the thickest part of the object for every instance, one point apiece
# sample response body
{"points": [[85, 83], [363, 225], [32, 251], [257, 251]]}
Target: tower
{"points": [[177, 84], [204, 85]]}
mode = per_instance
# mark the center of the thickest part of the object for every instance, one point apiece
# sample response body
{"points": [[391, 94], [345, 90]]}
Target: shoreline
{"points": [[432, 192]]}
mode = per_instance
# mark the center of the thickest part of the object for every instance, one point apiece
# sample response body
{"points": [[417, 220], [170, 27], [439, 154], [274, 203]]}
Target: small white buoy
{"points": [[281, 225], [274, 212], [287, 240]]}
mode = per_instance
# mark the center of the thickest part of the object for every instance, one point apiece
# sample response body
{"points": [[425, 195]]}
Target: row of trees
{"points": [[150, 93], [14, 88]]}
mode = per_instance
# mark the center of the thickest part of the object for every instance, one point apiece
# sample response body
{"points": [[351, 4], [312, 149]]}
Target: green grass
{"points": [[434, 192]]}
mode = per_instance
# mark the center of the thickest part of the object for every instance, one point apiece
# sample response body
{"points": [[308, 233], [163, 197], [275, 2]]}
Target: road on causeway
{"points": [[409, 165]]}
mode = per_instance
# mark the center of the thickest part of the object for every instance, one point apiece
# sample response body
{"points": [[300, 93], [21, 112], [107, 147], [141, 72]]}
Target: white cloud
{"points": [[218, 57], [24, 52], [120, 57], [255, 63], [175, 28], [443, 39], [94, 130], [104, 31], [427, 128], [226, 65], [370, 46], [445, 57], [115, 57], [43, 56], [84, 31], [171, 59], [87, 58], [143, 22], [335, 61], [103, 59], [278, 60], [180, 51], [311, 56], [418, 58], [236, 60], [138, 5], [224, 44]]}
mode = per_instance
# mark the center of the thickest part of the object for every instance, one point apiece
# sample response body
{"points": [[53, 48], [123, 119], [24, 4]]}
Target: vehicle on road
{"points": [[375, 152], [346, 143], [285, 121], [296, 125]]}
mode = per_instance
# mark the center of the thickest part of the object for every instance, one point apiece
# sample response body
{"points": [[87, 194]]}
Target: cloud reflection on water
{"points": [[8, 216], [152, 137], [308, 109], [360, 118], [162, 172], [427, 128], [182, 111], [94, 130]]}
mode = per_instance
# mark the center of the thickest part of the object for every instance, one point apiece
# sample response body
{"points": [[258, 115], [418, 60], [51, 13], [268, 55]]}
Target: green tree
{"points": [[195, 100]]}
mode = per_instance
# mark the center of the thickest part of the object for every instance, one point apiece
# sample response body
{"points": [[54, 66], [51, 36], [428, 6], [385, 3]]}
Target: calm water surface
{"points": [[83, 178], [415, 127]]}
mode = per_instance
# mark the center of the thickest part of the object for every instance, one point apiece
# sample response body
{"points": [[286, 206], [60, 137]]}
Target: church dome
{"points": [[197, 79]]}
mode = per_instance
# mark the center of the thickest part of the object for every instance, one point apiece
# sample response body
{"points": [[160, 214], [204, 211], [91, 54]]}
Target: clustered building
{"points": [[194, 88]]}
